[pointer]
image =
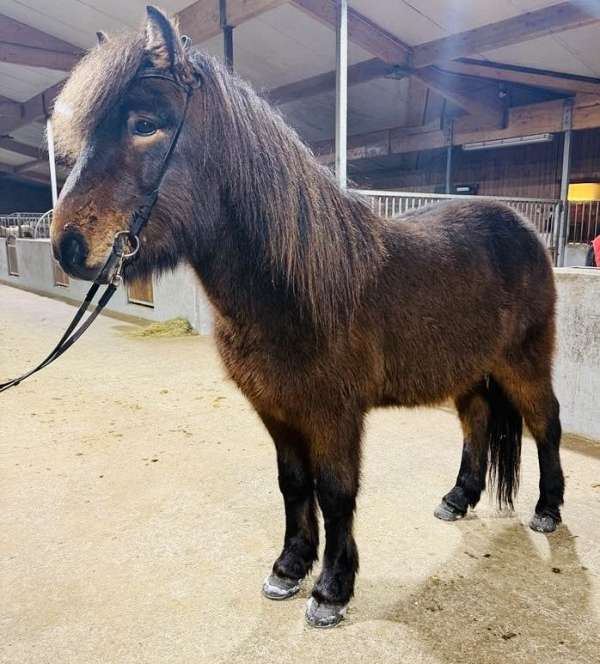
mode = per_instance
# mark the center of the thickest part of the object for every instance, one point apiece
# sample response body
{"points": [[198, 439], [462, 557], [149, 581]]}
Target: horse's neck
{"points": [[236, 277], [286, 237]]}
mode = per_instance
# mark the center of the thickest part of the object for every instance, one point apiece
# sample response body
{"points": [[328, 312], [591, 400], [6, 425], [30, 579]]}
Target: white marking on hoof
{"points": [[277, 588], [543, 523], [324, 615]]}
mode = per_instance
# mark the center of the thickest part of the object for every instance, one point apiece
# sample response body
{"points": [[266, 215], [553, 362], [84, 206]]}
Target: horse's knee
{"points": [[295, 482], [337, 497]]}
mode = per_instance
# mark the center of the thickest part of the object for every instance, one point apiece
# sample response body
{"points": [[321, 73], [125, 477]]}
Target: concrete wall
{"points": [[576, 254], [577, 366], [176, 295]]}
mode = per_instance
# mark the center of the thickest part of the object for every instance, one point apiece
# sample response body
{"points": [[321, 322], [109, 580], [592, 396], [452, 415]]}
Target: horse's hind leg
{"points": [[535, 399], [544, 424], [301, 527], [474, 413], [526, 377]]}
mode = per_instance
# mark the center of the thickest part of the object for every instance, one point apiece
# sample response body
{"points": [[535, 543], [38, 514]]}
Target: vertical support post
{"points": [[51, 161], [341, 93], [227, 36], [449, 157], [563, 231]]}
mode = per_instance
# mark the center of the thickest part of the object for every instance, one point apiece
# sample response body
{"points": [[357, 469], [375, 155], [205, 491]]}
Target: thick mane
{"points": [[323, 242]]}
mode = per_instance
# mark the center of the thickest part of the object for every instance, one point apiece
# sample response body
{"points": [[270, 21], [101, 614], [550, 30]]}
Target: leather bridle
{"points": [[111, 272]]}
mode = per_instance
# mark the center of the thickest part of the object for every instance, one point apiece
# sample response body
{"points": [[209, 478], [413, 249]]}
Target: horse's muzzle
{"points": [[71, 252]]}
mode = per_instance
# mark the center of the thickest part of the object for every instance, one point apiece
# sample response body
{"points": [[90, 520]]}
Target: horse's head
{"points": [[115, 125]]}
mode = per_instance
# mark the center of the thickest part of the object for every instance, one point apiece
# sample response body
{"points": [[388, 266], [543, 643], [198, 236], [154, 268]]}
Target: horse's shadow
{"points": [[504, 599]]}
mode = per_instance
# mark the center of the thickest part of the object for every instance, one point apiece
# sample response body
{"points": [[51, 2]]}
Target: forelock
{"points": [[94, 87]]}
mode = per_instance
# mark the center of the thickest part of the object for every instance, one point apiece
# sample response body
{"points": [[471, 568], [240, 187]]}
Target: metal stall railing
{"points": [[41, 228], [543, 213], [19, 224]]}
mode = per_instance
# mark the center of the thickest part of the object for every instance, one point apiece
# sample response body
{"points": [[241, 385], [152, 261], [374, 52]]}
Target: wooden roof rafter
{"points": [[9, 170], [23, 45], [200, 20], [416, 61]]}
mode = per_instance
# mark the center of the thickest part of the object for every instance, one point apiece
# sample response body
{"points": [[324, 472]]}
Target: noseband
{"points": [[111, 272]]}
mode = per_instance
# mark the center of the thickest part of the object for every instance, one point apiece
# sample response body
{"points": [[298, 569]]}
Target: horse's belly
{"points": [[432, 373]]}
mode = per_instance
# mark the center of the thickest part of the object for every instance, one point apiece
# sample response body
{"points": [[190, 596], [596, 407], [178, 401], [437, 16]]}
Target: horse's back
{"points": [[465, 281], [483, 237]]}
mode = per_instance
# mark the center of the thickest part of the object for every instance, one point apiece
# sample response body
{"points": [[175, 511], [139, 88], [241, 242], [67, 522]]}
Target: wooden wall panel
{"points": [[528, 170]]}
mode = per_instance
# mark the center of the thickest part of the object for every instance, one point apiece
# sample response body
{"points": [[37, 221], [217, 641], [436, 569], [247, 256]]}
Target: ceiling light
{"points": [[509, 142]]}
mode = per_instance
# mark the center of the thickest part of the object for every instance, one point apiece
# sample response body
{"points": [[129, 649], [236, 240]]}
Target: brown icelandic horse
{"points": [[323, 310]]}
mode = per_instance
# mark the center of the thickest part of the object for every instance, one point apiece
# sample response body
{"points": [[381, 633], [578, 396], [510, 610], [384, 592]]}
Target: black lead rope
{"points": [[110, 274]]}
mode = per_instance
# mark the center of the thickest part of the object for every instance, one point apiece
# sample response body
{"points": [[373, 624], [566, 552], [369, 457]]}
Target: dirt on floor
{"points": [[140, 514]]}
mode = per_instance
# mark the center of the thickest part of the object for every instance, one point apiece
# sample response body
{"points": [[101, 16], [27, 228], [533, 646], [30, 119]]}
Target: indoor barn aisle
{"points": [[140, 514]]}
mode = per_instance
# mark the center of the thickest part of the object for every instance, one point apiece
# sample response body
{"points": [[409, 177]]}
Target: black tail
{"points": [[504, 434]]}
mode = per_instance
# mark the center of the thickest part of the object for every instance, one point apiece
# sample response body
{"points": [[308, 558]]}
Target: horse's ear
{"points": [[163, 44], [101, 37]]}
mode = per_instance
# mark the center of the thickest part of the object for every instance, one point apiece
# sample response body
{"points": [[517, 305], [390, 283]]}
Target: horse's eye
{"points": [[144, 128]]}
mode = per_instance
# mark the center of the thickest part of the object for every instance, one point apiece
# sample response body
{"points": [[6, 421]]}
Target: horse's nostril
{"points": [[73, 249]]}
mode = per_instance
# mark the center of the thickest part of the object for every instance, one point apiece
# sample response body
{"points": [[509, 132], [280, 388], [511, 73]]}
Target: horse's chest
{"points": [[268, 370]]}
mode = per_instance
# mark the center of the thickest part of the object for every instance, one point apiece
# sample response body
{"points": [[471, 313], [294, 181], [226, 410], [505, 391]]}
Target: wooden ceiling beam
{"points": [[10, 110], [15, 32], [8, 143], [545, 117], [391, 50], [361, 31], [39, 106], [530, 25], [22, 168], [202, 20], [475, 69], [23, 45], [417, 60], [316, 85], [8, 169], [479, 99], [30, 56], [537, 78], [417, 103]]}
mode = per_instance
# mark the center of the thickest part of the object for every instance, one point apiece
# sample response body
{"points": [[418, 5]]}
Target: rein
{"points": [[111, 272]]}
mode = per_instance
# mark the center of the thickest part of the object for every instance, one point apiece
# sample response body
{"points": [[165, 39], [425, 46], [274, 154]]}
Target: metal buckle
{"points": [[122, 255], [132, 253]]}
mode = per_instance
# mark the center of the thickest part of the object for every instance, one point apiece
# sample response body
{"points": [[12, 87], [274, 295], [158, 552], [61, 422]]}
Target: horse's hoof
{"points": [[323, 615], [447, 512], [277, 587], [543, 523]]}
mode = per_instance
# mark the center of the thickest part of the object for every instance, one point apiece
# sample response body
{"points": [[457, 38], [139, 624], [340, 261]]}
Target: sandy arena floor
{"points": [[140, 513]]}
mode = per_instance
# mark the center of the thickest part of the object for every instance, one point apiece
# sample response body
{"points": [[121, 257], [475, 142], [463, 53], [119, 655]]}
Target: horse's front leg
{"points": [[335, 456], [301, 528]]}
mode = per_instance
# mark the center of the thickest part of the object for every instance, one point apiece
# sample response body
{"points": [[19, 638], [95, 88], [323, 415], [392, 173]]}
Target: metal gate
{"points": [[543, 213]]}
